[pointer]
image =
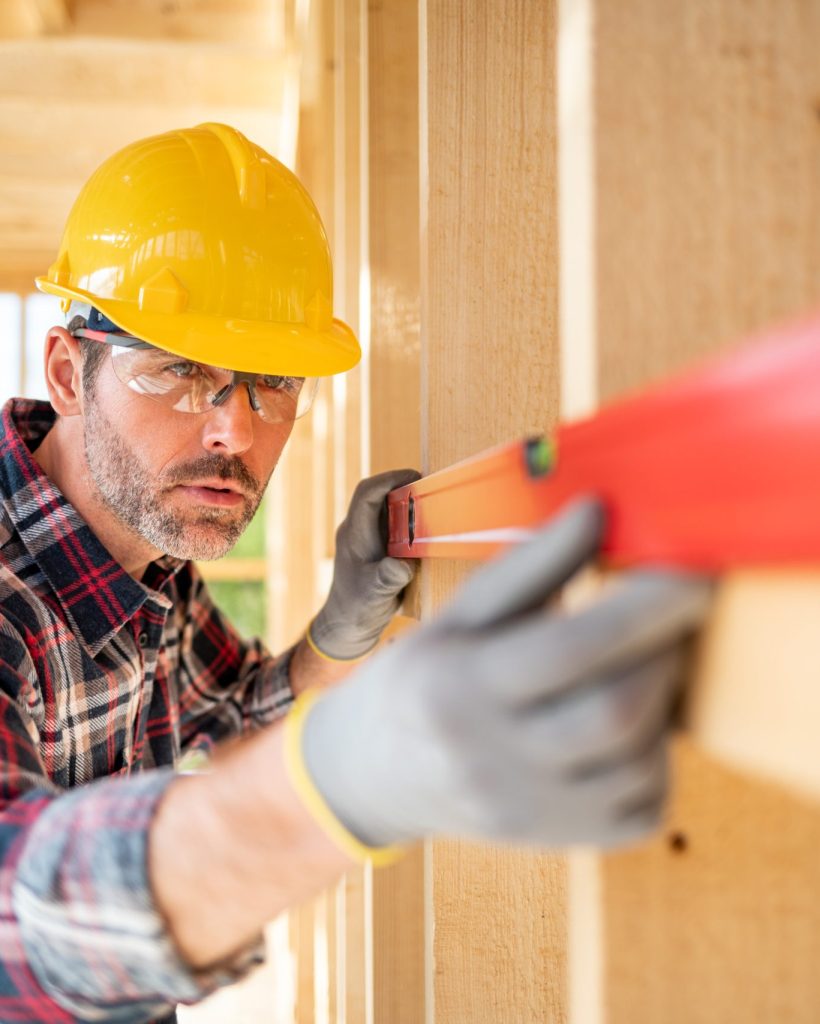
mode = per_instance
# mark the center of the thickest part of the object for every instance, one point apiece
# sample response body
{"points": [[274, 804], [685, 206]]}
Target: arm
{"points": [[231, 849], [496, 721], [81, 934], [309, 669], [566, 716]]}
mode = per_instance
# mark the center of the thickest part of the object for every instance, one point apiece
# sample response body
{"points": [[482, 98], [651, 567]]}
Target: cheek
{"points": [[157, 436], [270, 445]]}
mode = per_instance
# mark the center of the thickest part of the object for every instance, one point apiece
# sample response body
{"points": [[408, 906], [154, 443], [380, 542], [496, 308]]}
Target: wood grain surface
{"points": [[490, 373], [707, 148]]}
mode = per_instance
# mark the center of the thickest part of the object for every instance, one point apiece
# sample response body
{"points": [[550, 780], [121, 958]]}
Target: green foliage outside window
{"points": [[243, 603], [244, 600], [252, 542]]}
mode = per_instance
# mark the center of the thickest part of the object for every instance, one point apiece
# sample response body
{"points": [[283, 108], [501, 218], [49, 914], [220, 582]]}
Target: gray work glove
{"points": [[367, 584], [500, 721]]}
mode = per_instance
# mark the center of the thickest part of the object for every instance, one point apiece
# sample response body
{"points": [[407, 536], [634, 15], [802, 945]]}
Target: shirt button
{"points": [[143, 639]]}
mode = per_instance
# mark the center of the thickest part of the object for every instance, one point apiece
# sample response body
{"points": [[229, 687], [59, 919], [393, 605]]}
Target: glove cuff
{"points": [[311, 797], [329, 657]]}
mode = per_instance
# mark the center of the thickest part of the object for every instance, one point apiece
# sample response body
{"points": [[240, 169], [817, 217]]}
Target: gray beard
{"points": [[127, 490]]}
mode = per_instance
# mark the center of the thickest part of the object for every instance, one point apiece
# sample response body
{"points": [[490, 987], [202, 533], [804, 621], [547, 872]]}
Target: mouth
{"points": [[223, 493]]}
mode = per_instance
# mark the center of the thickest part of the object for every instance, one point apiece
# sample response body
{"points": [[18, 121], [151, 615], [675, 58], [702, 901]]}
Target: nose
{"points": [[229, 427]]}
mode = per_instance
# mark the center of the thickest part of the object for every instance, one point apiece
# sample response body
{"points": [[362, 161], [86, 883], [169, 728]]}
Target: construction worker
{"points": [[196, 283]]}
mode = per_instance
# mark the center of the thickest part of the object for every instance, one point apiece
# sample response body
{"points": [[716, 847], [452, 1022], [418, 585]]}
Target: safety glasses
{"points": [[188, 386]]}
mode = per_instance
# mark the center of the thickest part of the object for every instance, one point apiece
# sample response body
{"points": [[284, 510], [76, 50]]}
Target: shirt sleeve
{"points": [[81, 936], [228, 685]]}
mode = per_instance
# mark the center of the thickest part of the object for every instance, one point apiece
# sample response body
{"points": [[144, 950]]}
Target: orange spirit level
{"points": [[718, 468]]}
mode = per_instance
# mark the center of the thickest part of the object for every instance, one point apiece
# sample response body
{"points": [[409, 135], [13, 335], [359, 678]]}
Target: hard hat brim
{"points": [[256, 346]]}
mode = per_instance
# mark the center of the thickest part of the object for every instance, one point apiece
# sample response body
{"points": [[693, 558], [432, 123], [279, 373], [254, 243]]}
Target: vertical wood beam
{"points": [[398, 892], [393, 228], [490, 372], [350, 246], [301, 935]]}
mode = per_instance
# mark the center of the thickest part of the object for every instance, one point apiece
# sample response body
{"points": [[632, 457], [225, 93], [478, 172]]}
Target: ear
{"points": [[63, 366]]}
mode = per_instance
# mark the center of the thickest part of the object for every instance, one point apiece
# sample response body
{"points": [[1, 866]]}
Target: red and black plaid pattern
{"points": [[100, 675]]}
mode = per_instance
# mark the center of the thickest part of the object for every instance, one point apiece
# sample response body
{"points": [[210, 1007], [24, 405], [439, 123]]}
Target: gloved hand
{"points": [[500, 721], [367, 584]]}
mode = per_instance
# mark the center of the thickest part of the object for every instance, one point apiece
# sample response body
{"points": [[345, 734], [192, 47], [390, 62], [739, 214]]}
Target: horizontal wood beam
{"points": [[20, 279], [221, 21], [133, 72], [234, 570], [23, 18], [50, 153]]}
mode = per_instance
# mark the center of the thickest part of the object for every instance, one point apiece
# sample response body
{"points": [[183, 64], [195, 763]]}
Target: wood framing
{"points": [[21, 18], [212, 20], [689, 214], [701, 156], [489, 334], [399, 914], [763, 629]]}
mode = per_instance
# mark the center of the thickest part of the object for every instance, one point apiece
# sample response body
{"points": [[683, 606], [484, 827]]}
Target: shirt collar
{"points": [[97, 595]]}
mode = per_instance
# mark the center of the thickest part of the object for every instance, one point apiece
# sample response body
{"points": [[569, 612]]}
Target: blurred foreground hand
{"points": [[501, 721]]}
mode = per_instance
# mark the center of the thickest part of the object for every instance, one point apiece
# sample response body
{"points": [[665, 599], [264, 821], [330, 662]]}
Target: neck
{"points": [[61, 456]]}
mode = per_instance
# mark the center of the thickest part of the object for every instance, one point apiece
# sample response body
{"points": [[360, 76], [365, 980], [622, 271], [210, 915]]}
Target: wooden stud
{"points": [[302, 938], [399, 898], [489, 334]]}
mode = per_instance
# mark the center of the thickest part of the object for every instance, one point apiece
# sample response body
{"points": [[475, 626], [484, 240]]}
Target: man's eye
{"points": [[292, 385], [185, 371]]}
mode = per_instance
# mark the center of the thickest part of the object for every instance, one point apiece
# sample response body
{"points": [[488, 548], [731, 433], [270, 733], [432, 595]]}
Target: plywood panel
{"points": [[708, 225], [708, 158], [490, 373], [718, 918]]}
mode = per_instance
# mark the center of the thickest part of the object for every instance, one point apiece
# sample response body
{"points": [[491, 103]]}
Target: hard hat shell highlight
{"points": [[201, 243]]}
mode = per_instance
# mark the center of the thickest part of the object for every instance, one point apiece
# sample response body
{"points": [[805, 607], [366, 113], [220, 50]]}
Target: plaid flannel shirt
{"points": [[105, 683]]}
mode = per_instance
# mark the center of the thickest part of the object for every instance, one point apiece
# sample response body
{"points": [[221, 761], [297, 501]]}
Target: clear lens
{"points": [[186, 386], [284, 398]]}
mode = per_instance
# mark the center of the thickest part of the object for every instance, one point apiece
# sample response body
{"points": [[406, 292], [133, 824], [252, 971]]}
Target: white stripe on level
{"points": [[503, 535]]}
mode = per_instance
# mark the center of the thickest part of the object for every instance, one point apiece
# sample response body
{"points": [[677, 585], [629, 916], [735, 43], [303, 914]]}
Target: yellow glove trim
{"points": [[313, 799], [327, 657]]}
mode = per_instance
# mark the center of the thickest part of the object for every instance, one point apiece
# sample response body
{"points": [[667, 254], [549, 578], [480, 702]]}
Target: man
{"points": [[196, 282]]}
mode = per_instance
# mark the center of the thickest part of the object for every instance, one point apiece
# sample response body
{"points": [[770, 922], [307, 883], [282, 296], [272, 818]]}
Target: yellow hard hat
{"points": [[203, 244]]}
